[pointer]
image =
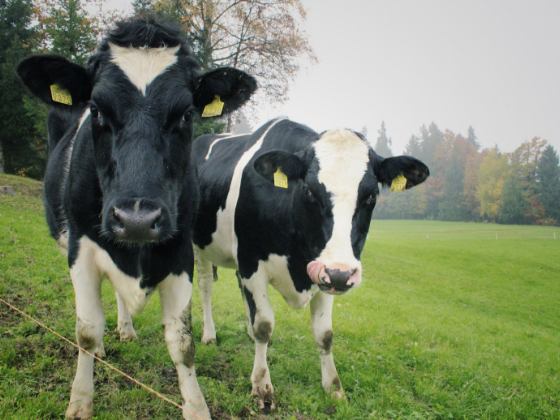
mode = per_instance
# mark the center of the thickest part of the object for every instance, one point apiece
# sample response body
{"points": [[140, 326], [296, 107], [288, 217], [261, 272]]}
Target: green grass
{"points": [[457, 326]]}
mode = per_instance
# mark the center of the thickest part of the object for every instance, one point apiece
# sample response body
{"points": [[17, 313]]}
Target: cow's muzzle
{"points": [[138, 225], [334, 279]]}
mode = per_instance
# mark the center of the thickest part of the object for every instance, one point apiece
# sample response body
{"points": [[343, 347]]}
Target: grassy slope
{"points": [[459, 325]]}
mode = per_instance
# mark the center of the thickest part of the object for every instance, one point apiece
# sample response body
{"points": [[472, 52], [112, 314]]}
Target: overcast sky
{"points": [[494, 65]]}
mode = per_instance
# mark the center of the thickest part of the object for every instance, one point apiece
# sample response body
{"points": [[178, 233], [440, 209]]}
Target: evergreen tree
{"points": [[68, 29], [19, 152], [413, 147], [513, 206], [364, 131], [548, 175], [471, 137], [451, 207], [207, 126], [382, 145], [143, 8], [430, 143]]}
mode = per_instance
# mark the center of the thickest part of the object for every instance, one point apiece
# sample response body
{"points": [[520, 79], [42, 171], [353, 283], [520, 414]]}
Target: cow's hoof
{"points": [[100, 350], [335, 389], [80, 410], [338, 395], [209, 340], [126, 331], [266, 399]]}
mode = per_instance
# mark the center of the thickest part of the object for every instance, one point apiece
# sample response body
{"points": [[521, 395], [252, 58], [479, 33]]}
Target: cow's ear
{"points": [[289, 164], [55, 80], [233, 87], [386, 170]]}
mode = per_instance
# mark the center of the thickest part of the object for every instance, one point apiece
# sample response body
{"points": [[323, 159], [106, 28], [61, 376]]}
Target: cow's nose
{"points": [[339, 278], [137, 226]]}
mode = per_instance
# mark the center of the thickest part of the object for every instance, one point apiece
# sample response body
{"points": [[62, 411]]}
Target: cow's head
{"points": [[335, 187], [139, 93]]}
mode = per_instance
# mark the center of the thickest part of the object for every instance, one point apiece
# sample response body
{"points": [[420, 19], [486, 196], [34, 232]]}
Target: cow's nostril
{"points": [[118, 224], [137, 226], [156, 225]]}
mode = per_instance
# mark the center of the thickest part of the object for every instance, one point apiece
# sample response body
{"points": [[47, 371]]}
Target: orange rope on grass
{"points": [[163, 397]]}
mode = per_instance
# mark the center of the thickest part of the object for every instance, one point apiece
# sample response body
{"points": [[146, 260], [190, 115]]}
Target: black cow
{"points": [[120, 192], [288, 207]]}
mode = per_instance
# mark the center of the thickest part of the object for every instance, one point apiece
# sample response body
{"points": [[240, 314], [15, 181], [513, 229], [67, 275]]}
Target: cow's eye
{"points": [[370, 200], [188, 116], [94, 112]]}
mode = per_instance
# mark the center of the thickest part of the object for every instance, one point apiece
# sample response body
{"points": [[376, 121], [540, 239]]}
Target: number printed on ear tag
{"points": [[214, 108], [61, 95], [280, 179], [399, 184]]}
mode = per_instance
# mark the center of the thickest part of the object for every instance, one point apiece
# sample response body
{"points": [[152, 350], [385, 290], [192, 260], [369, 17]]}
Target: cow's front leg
{"points": [[321, 322], [262, 319], [206, 285], [124, 325], [90, 323], [175, 293]]}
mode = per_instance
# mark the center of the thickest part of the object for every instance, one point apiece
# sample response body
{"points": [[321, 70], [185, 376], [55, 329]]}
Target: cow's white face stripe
{"points": [[143, 65], [341, 152]]}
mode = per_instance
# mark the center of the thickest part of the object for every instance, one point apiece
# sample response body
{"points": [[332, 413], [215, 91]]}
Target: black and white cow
{"points": [[305, 240], [120, 192]]}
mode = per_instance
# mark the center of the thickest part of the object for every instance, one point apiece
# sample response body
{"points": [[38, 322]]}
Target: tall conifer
{"points": [[548, 175]]}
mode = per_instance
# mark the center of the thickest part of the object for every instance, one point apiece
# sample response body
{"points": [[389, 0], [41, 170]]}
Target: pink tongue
{"points": [[313, 270]]}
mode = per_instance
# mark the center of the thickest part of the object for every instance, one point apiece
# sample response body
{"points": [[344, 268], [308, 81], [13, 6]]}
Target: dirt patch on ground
{"points": [[221, 370], [9, 317]]}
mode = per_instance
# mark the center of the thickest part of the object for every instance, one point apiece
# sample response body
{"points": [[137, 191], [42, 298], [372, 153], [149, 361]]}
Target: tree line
{"points": [[262, 37], [468, 183]]}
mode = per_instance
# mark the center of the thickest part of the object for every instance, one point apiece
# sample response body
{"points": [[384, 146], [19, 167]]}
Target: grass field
{"points": [[450, 323]]}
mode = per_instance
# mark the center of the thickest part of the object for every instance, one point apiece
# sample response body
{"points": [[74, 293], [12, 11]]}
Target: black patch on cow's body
{"points": [[250, 303], [327, 341], [262, 331]]}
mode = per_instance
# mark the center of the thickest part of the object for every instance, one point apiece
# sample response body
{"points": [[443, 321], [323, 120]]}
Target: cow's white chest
{"points": [[135, 298], [280, 278]]}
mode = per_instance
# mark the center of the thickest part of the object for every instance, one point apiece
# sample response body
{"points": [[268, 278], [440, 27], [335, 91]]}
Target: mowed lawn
{"points": [[450, 323]]}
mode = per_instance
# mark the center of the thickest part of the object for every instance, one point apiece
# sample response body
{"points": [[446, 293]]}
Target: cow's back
{"points": [[215, 158]]}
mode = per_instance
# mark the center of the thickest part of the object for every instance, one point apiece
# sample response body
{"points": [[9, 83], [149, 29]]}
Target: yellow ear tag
{"points": [[214, 108], [280, 179], [399, 184], [61, 95]]}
